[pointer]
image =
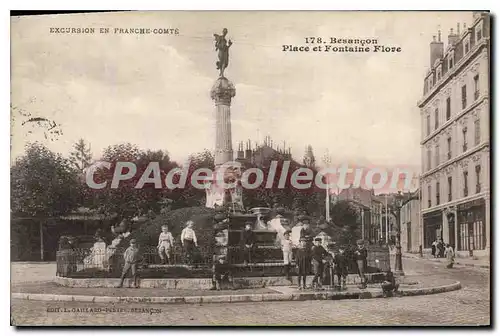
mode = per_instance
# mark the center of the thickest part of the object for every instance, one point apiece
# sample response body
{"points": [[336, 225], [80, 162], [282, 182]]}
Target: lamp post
{"points": [[327, 160], [398, 265]]}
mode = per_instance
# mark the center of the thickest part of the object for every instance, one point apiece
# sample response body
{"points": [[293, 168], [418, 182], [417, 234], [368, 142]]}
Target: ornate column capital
{"points": [[222, 91]]}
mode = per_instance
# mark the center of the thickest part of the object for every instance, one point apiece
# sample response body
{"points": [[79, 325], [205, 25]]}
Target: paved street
{"points": [[468, 306]]}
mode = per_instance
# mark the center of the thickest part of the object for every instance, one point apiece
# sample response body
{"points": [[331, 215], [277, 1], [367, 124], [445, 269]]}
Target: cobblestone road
{"points": [[469, 306]]}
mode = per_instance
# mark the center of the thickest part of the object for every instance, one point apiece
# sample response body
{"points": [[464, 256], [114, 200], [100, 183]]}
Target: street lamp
{"points": [[327, 160], [398, 265]]}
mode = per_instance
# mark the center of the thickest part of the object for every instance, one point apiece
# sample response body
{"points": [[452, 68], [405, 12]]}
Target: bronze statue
{"points": [[222, 46]]}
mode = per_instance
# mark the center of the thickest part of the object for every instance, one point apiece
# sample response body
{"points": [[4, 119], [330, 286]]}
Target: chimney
{"points": [[437, 49], [452, 38], [248, 151], [240, 150]]}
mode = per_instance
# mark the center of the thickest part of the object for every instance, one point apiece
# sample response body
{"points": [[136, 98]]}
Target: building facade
{"points": [[411, 229], [455, 141], [370, 208]]}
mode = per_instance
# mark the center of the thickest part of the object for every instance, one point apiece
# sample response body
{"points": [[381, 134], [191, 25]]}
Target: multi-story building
{"points": [[370, 208], [411, 237], [455, 147]]}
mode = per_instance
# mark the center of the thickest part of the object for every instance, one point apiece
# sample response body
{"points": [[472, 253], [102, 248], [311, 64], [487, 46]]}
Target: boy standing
{"points": [[188, 241], [340, 269], [318, 252], [247, 240], [165, 244], [286, 247], [361, 259], [303, 263], [131, 257]]}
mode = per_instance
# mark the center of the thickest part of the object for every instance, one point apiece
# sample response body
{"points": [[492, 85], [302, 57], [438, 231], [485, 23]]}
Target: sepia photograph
{"points": [[250, 168]]}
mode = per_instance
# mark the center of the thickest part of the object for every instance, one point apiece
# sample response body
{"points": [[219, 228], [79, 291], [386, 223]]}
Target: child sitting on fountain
{"points": [[221, 274], [165, 244]]}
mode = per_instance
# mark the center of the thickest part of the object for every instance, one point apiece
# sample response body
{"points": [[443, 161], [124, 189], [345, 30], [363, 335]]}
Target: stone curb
{"points": [[443, 261], [234, 298]]}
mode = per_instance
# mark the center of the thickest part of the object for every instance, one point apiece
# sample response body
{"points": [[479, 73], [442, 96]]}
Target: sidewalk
{"points": [[469, 262], [50, 291]]}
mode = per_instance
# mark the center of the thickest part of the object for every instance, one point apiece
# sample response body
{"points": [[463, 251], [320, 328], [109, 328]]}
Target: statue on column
{"points": [[222, 46]]}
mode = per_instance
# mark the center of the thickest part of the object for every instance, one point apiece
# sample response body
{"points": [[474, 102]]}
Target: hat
{"points": [[360, 242], [133, 241], [304, 218], [287, 231], [249, 223], [318, 239], [303, 239]]}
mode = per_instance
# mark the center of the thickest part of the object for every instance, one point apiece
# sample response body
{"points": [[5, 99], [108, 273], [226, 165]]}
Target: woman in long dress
{"points": [[450, 256]]}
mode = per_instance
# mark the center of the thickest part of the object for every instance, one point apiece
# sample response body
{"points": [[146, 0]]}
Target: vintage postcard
{"points": [[250, 168]]}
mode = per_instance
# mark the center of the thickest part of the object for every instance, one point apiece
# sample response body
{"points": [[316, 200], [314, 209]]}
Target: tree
{"points": [[81, 155], [344, 226], [189, 196], [126, 200], [43, 184]]}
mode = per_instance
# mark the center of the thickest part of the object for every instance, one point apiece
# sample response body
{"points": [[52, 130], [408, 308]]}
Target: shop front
{"points": [[471, 226], [433, 229]]}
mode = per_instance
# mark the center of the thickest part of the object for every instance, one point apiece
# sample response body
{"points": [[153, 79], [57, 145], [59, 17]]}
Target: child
{"points": [[303, 263], [165, 244], [221, 273], [247, 240], [318, 253], [340, 268], [131, 257], [286, 247], [188, 241], [389, 286]]}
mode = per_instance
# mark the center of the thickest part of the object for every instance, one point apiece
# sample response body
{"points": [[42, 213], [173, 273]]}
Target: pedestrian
{"points": [[389, 286], [433, 248], [188, 241], [450, 256], [340, 268], [303, 259], [131, 257], [317, 255], [221, 274], [286, 247], [361, 255], [440, 247], [165, 244], [247, 241]]}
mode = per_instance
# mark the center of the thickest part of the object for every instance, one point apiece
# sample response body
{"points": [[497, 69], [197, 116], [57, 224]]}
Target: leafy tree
{"points": [[43, 184], [344, 226], [81, 155], [189, 196]]}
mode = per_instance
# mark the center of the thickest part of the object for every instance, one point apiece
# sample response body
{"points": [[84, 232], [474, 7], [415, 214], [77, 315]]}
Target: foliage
{"points": [[43, 183], [126, 200], [81, 155], [344, 226]]}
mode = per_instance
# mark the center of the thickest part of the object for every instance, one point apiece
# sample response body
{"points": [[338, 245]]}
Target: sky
{"points": [[153, 90]]}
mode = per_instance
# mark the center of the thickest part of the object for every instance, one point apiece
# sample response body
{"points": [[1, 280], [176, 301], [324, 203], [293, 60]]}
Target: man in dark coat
{"points": [[340, 269], [361, 255]]}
